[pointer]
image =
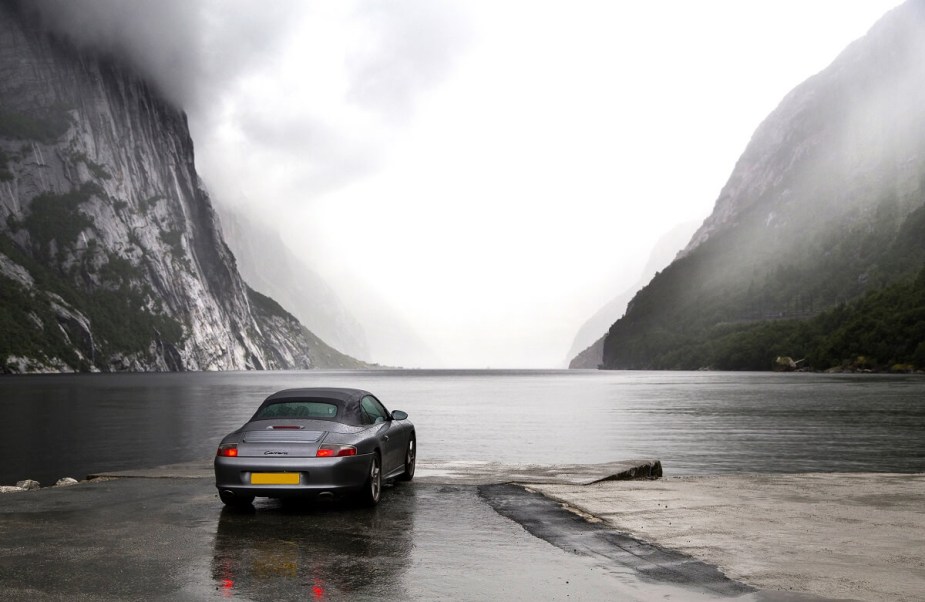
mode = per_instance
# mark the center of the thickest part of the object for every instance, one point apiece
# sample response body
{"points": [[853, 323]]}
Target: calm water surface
{"points": [[696, 423]]}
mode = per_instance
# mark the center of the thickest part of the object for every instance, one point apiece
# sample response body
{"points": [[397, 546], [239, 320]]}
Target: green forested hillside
{"points": [[858, 305], [882, 330], [865, 300], [816, 245], [35, 321]]}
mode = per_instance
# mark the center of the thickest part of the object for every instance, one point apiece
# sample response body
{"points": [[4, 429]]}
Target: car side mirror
{"points": [[399, 415]]}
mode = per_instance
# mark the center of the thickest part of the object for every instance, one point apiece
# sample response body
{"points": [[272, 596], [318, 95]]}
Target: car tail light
{"points": [[228, 450], [285, 427], [333, 451]]}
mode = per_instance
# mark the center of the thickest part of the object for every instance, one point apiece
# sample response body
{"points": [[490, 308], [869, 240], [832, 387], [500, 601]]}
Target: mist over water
{"points": [[695, 423]]}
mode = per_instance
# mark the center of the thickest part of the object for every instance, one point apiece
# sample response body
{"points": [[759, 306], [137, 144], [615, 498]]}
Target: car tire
{"points": [[411, 459], [372, 489], [235, 501]]}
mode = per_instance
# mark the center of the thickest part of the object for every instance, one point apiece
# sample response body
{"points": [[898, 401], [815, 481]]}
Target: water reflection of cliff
{"points": [[315, 552]]}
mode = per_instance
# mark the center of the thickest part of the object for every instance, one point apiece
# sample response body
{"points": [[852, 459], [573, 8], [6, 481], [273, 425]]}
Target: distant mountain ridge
{"points": [[111, 257], [587, 349], [268, 265], [822, 209], [352, 318]]}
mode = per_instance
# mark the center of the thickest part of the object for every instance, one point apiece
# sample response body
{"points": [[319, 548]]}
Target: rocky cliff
{"points": [[110, 253], [823, 207]]}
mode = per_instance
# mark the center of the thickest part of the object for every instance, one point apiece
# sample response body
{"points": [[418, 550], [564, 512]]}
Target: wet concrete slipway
{"points": [[457, 532]]}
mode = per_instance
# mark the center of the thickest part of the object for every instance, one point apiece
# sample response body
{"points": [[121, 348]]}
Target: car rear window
{"points": [[298, 409]]}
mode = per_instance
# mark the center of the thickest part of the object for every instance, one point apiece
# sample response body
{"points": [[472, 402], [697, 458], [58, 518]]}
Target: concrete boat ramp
{"points": [[457, 473], [475, 531]]}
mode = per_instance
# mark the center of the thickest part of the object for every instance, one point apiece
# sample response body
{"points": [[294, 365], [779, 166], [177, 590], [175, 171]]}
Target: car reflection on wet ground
{"points": [[423, 542], [322, 550], [170, 538]]}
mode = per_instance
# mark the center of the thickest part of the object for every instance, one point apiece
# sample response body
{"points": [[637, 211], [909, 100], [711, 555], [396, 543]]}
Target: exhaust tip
{"points": [[325, 496]]}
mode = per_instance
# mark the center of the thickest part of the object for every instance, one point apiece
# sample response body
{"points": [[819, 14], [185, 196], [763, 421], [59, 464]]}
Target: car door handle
{"points": [[386, 437]]}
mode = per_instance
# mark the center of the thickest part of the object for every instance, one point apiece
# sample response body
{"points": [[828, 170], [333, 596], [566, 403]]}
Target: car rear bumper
{"points": [[315, 475]]}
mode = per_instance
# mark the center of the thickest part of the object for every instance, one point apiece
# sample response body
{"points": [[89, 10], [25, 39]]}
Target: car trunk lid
{"points": [[282, 436]]}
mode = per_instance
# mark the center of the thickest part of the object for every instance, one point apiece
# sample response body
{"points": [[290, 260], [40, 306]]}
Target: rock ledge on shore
{"points": [[32, 485]]}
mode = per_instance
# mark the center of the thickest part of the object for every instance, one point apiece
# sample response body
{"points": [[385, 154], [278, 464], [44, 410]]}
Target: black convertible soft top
{"points": [[347, 401]]}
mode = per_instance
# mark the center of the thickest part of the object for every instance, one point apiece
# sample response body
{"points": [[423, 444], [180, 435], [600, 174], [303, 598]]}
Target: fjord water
{"points": [[695, 422]]}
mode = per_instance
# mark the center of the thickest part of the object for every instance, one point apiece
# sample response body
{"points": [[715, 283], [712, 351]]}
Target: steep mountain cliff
{"points": [[823, 208], [110, 253]]}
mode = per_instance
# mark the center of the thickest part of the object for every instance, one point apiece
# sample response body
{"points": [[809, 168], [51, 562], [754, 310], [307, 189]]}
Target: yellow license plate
{"points": [[274, 478]]}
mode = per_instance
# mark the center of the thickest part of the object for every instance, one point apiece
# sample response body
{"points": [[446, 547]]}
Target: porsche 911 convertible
{"points": [[316, 443]]}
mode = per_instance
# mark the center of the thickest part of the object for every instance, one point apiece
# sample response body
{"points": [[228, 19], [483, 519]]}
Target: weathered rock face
{"points": [[289, 343], [110, 253]]}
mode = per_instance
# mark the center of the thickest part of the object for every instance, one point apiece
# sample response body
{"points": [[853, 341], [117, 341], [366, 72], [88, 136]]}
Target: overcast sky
{"points": [[497, 170]]}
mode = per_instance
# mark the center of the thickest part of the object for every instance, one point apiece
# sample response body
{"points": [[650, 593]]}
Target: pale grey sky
{"points": [[496, 170]]}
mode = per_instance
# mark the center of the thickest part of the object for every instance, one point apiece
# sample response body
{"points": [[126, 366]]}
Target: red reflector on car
{"points": [[229, 450]]}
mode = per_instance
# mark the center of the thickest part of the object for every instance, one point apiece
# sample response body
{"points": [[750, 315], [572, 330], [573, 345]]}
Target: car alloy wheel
{"points": [[410, 460], [373, 489]]}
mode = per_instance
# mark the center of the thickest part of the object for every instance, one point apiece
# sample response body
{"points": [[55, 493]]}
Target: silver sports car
{"points": [[316, 442]]}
